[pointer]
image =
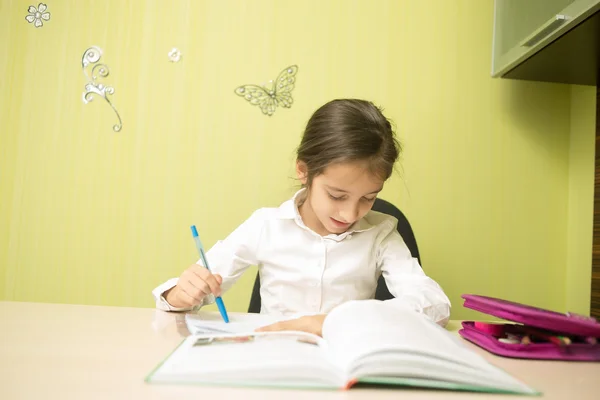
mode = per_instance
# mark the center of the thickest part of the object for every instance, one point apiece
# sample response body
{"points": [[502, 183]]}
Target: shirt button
{"points": [[349, 236]]}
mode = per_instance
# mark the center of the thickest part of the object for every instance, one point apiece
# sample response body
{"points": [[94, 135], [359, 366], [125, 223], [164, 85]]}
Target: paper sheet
{"points": [[238, 323]]}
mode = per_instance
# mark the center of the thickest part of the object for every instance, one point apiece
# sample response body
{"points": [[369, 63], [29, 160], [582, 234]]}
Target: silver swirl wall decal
{"points": [[99, 70]]}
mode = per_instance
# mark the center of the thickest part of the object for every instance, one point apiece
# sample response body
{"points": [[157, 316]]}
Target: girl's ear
{"points": [[302, 171]]}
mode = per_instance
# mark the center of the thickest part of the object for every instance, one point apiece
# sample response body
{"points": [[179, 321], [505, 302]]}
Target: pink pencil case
{"points": [[531, 332]]}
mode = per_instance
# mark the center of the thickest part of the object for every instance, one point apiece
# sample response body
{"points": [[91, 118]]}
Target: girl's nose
{"points": [[350, 214]]}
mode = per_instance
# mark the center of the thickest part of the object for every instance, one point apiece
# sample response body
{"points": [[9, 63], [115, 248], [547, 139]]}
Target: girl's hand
{"points": [[194, 284], [311, 324]]}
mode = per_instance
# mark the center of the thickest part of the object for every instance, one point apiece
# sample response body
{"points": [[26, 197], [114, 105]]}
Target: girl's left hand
{"points": [[311, 324]]}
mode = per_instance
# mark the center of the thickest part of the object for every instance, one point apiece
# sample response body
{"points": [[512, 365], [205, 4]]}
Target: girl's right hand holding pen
{"points": [[195, 283]]}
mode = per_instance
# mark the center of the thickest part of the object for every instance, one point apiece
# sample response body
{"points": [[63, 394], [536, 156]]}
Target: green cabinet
{"points": [[523, 28]]}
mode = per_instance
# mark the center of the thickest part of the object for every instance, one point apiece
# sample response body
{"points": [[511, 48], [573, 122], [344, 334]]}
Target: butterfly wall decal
{"points": [[272, 94]]}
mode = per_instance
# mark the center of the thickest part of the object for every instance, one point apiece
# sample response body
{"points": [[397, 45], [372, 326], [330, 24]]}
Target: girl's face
{"points": [[338, 197]]}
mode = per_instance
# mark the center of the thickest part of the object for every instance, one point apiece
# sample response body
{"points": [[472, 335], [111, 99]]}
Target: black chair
{"points": [[382, 292]]}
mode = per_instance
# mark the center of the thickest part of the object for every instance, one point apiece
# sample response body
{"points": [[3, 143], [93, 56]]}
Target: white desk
{"points": [[55, 351]]}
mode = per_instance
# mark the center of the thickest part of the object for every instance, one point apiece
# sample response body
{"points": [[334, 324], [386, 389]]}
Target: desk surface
{"points": [[50, 351]]}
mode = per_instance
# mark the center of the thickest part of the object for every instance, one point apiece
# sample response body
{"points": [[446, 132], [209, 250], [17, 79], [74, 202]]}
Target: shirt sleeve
{"points": [[161, 302], [229, 258], [408, 283], [232, 256]]}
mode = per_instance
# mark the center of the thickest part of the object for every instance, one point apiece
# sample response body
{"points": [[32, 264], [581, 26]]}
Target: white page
{"points": [[359, 330], [263, 359], [205, 322]]}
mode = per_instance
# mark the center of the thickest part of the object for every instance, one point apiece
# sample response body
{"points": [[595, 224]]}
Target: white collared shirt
{"points": [[304, 273]]}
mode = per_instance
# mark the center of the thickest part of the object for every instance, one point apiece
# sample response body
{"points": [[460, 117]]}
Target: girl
{"points": [[324, 246]]}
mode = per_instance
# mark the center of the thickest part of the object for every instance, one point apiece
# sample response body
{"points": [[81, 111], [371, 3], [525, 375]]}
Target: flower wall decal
{"points": [[36, 15], [93, 87], [174, 55]]}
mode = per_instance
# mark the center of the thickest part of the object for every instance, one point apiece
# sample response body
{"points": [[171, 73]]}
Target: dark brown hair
{"points": [[347, 130]]}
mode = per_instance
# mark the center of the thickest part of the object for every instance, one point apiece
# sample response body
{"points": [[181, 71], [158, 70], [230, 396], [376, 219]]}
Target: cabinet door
{"points": [[522, 28]]}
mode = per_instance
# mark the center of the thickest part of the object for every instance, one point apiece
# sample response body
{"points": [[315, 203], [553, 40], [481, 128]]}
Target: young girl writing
{"points": [[325, 246]]}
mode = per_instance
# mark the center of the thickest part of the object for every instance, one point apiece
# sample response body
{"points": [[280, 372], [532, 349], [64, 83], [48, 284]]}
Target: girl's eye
{"points": [[370, 200], [332, 197]]}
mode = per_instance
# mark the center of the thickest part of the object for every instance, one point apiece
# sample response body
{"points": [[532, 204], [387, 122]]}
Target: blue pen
{"points": [[200, 248]]}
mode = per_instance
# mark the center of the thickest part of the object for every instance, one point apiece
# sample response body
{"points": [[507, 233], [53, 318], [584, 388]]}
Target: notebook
{"points": [[367, 341]]}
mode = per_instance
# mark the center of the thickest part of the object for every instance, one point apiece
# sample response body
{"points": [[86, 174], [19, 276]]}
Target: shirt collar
{"points": [[289, 210]]}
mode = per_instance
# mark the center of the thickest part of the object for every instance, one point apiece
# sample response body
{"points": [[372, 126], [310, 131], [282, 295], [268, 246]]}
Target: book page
{"points": [[206, 322], [358, 328], [383, 338], [261, 359]]}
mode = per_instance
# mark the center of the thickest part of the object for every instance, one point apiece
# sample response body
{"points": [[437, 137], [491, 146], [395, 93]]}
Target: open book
{"points": [[363, 342]]}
